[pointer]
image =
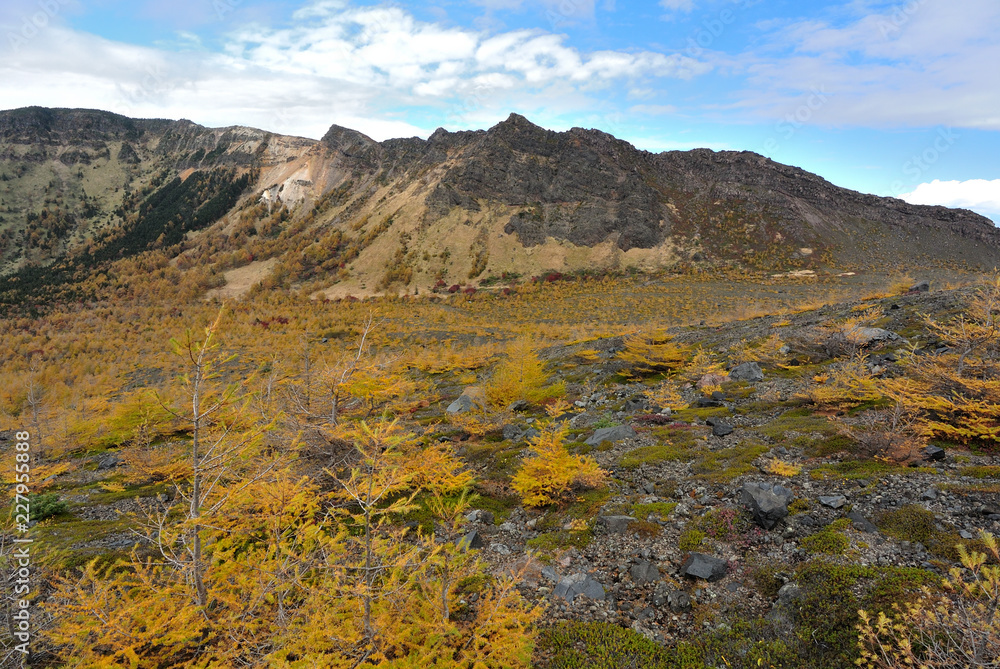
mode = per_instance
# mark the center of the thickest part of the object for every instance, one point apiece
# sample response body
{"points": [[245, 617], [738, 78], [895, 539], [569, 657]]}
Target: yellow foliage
{"points": [[956, 393], [958, 629], [521, 375], [558, 408], [710, 388], [781, 468], [666, 395], [849, 385], [701, 364], [289, 585], [552, 471], [653, 353], [900, 285], [765, 351], [478, 421]]}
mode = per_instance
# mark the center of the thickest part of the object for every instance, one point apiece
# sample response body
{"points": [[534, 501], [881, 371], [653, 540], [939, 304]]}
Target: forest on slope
{"points": [[288, 482]]}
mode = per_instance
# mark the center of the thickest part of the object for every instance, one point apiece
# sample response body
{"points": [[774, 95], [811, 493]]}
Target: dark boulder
{"points": [[748, 371], [768, 504], [699, 565]]}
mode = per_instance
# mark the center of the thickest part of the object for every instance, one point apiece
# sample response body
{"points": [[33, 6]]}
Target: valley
{"points": [[503, 398]]}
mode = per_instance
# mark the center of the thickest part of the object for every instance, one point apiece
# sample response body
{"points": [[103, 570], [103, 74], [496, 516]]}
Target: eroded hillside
{"points": [[348, 216]]}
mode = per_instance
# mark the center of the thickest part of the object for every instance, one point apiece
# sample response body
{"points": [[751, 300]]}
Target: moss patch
{"points": [[659, 509], [832, 595], [915, 523], [551, 541], [852, 470], [578, 645], [827, 542], [690, 539], [981, 472]]}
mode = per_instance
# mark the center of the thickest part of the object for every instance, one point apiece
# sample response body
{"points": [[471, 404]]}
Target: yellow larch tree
{"points": [[551, 472]]}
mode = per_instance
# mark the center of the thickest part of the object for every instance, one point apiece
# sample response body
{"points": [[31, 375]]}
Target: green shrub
{"points": [[659, 509], [579, 645], [832, 596], [46, 505], [690, 539], [915, 523], [826, 541]]}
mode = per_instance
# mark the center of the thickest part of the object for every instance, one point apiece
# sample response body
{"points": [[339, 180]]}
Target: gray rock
{"points": [[550, 574], [833, 501], [461, 405], [929, 494], [644, 572], [678, 601], [480, 516], [699, 565], [965, 534], [748, 371], [574, 585], [934, 453], [512, 432], [721, 428], [615, 524], [920, 287], [768, 504], [107, 461], [862, 524], [531, 433], [636, 404], [708, 403], [648, 487], [614, 433], [471, 540], [785, 610], [989, 509], [866, 336], [501, 549]]}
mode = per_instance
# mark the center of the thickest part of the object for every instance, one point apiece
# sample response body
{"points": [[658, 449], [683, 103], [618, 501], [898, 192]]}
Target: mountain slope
{"points": [[349, 215]]}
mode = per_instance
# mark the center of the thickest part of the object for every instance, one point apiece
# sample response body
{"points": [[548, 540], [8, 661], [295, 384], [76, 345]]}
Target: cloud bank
{"points": [[979, 195]]}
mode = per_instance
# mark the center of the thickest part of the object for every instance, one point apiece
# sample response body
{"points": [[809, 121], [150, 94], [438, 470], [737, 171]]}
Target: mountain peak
{"points": [[339, 137], [516, 121]]}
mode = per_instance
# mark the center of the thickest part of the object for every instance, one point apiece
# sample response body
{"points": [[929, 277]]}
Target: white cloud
{"points": [[979, 195], [916, 63], [556, 11], [657, 144], [677, 5], [653, 110], [335, 62]]}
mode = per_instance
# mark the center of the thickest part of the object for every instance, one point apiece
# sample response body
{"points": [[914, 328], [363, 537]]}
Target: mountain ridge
{"points": [[455, 207]]}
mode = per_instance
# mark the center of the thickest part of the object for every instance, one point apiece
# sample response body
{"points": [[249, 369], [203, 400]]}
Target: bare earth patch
{"points": [[242, 279]]}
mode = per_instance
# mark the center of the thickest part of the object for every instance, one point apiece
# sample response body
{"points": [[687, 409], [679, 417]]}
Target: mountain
{"points": [[349, 215]]}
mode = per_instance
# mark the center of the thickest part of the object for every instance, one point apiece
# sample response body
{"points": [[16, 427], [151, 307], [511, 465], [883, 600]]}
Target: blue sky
{"points": [[892, 98]]}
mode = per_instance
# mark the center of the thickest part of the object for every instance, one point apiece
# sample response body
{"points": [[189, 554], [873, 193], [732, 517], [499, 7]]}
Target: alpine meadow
{"points": [[530, 396]]}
